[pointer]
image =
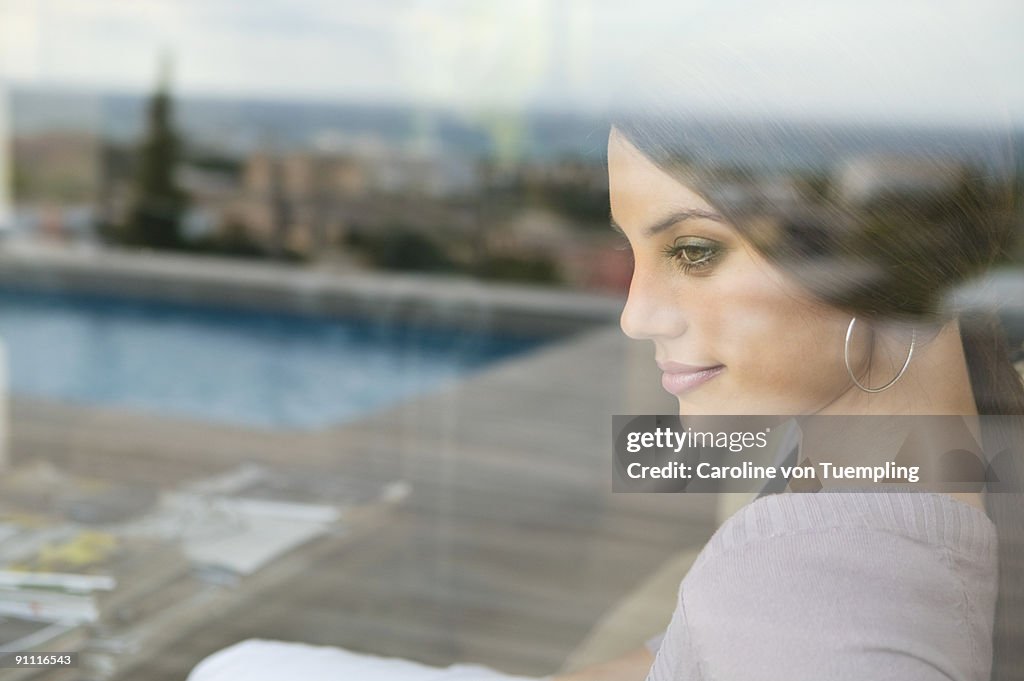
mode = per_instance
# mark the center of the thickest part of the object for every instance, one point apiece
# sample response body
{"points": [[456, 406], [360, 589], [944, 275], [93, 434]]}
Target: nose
{"points": [[652, 308]]}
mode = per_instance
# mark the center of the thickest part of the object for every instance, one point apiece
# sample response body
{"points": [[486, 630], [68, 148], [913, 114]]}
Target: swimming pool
{"points": [[263, 369]]}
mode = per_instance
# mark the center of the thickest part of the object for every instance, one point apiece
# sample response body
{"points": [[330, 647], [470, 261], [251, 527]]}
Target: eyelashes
{"points": [[694, 253], [691, 254]]}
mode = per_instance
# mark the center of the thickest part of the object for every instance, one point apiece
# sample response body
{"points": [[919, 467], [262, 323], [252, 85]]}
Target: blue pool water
{"points": [[229, 365]]}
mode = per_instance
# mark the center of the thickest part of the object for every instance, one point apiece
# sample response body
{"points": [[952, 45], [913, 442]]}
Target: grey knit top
{"points": [[836, 586]]}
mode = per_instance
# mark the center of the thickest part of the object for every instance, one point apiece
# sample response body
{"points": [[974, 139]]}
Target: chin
{"points": [[704, 408]]}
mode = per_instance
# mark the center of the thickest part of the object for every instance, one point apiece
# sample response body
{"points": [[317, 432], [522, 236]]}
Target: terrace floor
{"points": [[509, 549]]}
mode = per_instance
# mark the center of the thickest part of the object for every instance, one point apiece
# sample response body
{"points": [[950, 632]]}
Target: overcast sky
{"points": [[926, 60]]}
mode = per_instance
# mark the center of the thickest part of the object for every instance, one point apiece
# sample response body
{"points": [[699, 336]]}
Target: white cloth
{"points": [[261, 660]]}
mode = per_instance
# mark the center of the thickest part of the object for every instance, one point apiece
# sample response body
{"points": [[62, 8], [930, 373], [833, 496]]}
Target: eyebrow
{"points": [[672, 219]]}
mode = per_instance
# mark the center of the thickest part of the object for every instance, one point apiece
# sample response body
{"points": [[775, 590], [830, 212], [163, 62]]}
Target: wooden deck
{"points": [[510, 547]]}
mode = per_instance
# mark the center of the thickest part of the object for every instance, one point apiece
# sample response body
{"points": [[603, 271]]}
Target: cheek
{"points": [[774, 339]]}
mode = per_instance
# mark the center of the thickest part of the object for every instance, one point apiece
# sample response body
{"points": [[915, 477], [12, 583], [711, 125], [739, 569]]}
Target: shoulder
{"points": [[933, 519], [843, 581], [881, 551]]}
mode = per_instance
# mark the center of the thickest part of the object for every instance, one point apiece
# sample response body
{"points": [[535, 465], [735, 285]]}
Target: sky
{"points": [[936, 61]]}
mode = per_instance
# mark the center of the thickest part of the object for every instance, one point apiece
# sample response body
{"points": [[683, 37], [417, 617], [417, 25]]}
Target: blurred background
{"points": [[309, 309]]}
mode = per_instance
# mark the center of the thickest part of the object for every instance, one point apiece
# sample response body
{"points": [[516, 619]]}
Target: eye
{"points": [[693, 252]]}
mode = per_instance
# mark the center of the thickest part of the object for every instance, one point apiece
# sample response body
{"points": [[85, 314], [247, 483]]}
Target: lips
{"points": [[678, 378]]}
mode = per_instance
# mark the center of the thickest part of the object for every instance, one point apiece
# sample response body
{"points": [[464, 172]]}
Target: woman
{"points": [[822, 301]]}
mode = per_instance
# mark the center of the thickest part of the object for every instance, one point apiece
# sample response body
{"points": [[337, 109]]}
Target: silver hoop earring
{"points": [[849, 369]]}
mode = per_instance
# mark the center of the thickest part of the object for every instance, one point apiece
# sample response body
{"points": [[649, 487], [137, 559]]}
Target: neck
{"points": [[936, 383]]}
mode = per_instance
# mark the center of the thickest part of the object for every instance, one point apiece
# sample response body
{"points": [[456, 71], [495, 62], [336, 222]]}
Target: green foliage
{"points": [[233, 240], [578, 202], [155, 216], [403, 248], [217, 163], [108, 231], [408, 249], [21, 183], [519, 268]]}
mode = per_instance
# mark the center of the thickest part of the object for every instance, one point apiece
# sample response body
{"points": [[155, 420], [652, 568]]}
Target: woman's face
{"points": [[731, 333]]}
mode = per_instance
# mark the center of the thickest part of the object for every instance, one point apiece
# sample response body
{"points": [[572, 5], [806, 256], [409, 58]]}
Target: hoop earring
{"points": [[849, 369]]}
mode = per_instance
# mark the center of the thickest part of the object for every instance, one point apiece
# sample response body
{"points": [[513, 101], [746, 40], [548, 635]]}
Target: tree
{"points": [[155, 216]]}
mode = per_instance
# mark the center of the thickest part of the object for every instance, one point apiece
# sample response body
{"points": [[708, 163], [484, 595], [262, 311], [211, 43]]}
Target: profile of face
{"points": [[732, 334]]}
